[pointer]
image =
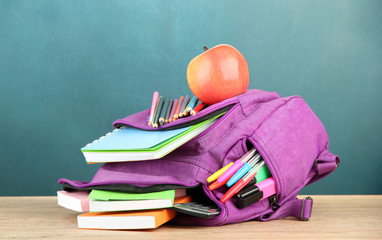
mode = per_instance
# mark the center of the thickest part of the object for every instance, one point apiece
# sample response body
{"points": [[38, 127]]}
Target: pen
{"points": [[241, 183], [244, 169], [218, 173], [238, 164]]}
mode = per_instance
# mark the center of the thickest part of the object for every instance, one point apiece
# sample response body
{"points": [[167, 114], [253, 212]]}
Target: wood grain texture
{"points": [[333, 217]]}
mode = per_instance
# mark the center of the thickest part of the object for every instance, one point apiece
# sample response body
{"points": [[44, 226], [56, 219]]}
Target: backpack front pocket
{"points": [[291, 139], [230, 212]]}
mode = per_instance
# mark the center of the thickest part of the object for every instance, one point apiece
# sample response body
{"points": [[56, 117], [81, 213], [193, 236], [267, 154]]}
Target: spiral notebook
{"points": [[132, 144]]}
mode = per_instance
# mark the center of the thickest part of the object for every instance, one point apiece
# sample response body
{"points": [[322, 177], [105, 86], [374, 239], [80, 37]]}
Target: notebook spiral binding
{"points": [[106, 135]]}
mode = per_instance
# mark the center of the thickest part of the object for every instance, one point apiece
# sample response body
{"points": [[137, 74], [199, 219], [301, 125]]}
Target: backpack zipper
{"points": [[273, 202]]}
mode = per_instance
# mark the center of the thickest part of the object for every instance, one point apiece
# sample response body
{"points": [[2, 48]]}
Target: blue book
{"points": [[132, 144]]}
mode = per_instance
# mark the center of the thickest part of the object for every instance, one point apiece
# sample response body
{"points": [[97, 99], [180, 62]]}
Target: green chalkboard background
{"points": [[68, 69]]}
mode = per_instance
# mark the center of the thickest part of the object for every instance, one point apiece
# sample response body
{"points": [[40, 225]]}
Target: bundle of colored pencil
{"points": [[165, 109]]}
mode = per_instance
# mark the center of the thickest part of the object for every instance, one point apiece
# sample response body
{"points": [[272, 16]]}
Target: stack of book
{"points": [[121, 210], [104, 209]]}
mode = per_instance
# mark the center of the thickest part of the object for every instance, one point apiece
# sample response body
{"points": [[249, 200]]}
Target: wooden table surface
{"points": [[333, 217]]}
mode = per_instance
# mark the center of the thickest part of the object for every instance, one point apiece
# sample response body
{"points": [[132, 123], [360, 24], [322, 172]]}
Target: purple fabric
{"points": [[327, 162], [285, 131]]}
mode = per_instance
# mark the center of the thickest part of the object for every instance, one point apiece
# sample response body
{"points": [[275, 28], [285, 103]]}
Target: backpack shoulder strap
{"points": [[299, 208]]}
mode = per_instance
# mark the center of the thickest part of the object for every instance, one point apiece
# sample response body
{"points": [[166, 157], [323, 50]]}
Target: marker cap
{"points": [[216, 184], [237, 165], [218, 173], [244, 169], [256, 193], [241, 172], [230, 171]]}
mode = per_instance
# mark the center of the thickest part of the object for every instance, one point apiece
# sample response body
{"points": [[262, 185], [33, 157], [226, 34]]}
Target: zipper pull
{"points": [[273, 202]]}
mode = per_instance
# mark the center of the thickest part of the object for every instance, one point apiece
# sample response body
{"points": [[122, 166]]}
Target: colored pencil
{"points": [[163, 112], [157, 112], [192, 103], [185, 112], [197, 109], [196, 104], [184, 105], [177, 110], [168, 111], [153, 107], [174, 105]]}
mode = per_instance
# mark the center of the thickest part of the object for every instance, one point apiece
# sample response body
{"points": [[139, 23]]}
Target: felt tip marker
{"points": [[236, 166], [243, 170], [263, 174], [218, 173], [216, 184], [255, 193], [241, 183]]}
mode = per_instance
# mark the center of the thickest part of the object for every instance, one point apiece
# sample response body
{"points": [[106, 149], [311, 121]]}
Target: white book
{"points": [[76, 201], [109, 206]]}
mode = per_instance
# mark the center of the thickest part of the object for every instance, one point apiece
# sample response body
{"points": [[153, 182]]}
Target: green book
{"points": [[105, 195], [131, 144], [104, 201]]}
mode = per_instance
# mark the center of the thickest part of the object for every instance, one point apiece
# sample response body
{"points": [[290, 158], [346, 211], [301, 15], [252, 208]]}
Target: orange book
{"points": [[147, 219]]}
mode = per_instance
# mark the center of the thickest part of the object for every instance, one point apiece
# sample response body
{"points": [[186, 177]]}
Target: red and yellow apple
{"points": [[217, 74]]}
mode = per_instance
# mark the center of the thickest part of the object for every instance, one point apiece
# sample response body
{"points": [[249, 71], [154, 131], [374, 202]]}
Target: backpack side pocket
{"points": [[291, 139]]}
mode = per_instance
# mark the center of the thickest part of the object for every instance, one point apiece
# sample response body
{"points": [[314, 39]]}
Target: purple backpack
{"points": [[285, 131]]}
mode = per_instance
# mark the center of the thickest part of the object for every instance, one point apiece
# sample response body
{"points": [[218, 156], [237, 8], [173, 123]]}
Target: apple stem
{"points": [[205, 48]]}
